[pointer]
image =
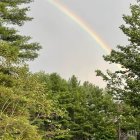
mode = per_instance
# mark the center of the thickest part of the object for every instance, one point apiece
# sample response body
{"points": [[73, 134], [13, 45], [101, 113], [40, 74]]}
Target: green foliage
{"points": [[131, 138], [15, 107], [21, 95], [13, 44], [88, 111], [46, 107], [124, 84]]}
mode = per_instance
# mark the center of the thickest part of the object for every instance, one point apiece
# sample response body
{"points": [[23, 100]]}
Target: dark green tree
{"points": [[88, 111], [20, 94], [12, 43], [124, 84]]}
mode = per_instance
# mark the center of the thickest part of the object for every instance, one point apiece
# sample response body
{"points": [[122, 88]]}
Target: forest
{"points": [[44, 106]]}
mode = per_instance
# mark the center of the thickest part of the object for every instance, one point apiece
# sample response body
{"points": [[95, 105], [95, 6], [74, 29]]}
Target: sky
{"points": [[66, 48]]}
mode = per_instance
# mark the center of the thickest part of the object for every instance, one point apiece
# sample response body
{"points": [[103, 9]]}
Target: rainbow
{"points": [[82, 24]]}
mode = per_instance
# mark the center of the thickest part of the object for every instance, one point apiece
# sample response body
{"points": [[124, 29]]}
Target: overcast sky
{"points": [[67, 49]]}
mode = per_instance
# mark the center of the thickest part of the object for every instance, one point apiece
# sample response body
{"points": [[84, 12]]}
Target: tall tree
{"points": [[17, 98], [87, 110], [124, 84]]}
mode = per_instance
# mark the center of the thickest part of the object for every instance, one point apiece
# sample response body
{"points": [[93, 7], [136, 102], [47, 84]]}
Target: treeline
{"points": [[86, 111], [41, 106]]}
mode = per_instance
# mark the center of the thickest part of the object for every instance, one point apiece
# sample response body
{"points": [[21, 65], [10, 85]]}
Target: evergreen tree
{"points": [[88, 111], [20, 94], [124, 84], [12, 43]]}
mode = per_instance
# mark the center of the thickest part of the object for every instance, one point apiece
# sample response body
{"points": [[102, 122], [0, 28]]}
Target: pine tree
{"points": [[17, 45], [124, 84], [88, 111], [17, 98]]}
